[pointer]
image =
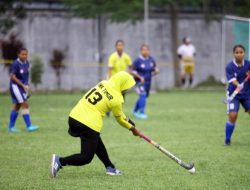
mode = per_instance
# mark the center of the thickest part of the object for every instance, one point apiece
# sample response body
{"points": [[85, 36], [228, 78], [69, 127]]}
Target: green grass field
{"points": [[190, 124]]}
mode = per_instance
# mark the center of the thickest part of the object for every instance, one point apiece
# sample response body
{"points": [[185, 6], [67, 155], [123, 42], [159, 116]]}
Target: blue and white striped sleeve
{"points": [[14, 68], [230, 74]]}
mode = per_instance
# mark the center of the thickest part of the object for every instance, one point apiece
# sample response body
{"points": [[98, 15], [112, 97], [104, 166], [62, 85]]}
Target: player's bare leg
{"points": [[232, 117], [16, 107], [190, 79], [183, 79]]}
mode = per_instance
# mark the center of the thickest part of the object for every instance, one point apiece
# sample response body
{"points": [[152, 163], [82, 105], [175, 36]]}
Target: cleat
{"points": [[14, 130], [136, 114], [55, 165], [113, 171], [32, 128], [140, 115], [227, 142], [143, 116]]}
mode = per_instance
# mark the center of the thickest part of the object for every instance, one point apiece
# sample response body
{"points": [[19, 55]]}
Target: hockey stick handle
{"points": [[247, 78], [166, 152], [237, 90]]}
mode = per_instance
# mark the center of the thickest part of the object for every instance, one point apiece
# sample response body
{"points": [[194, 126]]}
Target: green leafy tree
{"points": [[210, 10], [57, 64], [121, 11], [172, 8], [9, 14], [10, 47], [36, 71], [124, 10], [115, 10]]}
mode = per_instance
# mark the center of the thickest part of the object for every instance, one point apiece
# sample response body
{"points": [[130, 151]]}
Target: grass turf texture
{"points": [[190, 124]]}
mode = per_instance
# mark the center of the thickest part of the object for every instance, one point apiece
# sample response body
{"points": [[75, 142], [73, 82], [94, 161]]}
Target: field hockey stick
{"points": [[28, 94], [237, 90], [188, 166]]}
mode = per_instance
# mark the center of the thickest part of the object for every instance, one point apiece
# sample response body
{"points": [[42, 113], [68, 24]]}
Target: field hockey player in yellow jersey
{"points": [[86, 121], [119, 60]]}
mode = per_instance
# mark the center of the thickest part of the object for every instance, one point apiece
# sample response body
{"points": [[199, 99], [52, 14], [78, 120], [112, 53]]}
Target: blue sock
{"points": [[136, 108], [142, 102], [26, 118], [229, 130], [13, 117]]}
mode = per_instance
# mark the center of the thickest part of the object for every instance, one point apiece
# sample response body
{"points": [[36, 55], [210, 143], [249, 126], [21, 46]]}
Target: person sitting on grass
{"points": [[86, 121]]}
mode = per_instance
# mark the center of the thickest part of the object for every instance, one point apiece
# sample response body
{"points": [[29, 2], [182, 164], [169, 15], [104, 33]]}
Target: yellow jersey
{"points": [[105, 96], [119, 63]]}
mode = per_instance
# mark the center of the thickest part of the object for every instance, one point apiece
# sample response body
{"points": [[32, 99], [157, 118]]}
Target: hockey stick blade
{"points": [[187, 166]]}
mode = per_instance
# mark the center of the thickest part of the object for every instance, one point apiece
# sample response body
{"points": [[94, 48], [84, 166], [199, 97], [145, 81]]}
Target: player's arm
{"points": [[121, 117], [124, 121], [156, 70], [135, 73], [130, 69], [230, 76], [110, 66], [110, 69], [179, 52], [15, 79], [194, 54], [130, 66]]}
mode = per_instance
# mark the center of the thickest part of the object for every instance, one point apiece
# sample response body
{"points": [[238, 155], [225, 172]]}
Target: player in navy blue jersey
{"points": [[236, 72], [144, 67], [19, 87]]}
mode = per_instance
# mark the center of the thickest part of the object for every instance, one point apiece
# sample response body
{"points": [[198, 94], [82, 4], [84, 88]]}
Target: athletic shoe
{"points": [[136, 114], [32, 128], [227, 142], [14, 130], [140, 115], [143, 116], [113, 171], [55, 165]]}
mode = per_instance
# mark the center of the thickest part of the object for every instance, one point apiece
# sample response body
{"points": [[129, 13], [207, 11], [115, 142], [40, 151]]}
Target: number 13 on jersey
{"points": [[93, 96]]}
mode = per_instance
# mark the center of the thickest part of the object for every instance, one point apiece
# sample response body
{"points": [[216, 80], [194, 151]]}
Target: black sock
{"points": [[183, 81], [190, 81], [62, 162]]}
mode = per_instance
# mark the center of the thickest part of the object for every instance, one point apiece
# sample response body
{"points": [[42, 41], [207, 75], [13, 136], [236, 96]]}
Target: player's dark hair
{"points": [[119, 41], [239, 46], [22, 49], [144, 46]]}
